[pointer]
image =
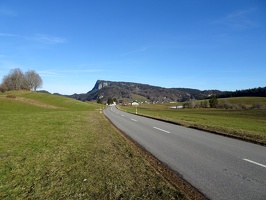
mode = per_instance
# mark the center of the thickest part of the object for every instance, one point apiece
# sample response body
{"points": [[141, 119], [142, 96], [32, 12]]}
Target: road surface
{"points": [[220, 167]]}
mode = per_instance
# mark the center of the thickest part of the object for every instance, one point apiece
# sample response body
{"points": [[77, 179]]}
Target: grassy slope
{"points": [[53, 147], [246, 124], [249, 101]]}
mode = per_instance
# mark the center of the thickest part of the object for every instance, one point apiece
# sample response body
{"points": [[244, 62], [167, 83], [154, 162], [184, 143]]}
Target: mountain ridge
{"points": [[129, 91]]}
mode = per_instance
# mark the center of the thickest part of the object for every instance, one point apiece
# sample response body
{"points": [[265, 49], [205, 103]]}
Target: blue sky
{"points": [[201, 44]]}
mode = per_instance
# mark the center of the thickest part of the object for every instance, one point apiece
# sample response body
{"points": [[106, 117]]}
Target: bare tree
{"points": [[33, 80], [7, 83], [3, 87], [18, 79], [15, 80]]}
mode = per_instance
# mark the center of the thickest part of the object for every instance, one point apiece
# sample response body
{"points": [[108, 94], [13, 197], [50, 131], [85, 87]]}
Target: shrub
{"points": [[243, 106], [225, 104], [204, 104], [10, 96], [259, 105]]}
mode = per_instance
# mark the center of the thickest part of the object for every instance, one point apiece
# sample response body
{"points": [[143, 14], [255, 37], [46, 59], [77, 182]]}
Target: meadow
{"points": [[247, 124], [53, 147]]}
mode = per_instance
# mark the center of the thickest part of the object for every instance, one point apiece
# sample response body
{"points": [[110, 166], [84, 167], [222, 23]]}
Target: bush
{"points": [[191, 104], [243, 106], [259, 105], [204, 104], [10, 96], [225, 104], [240, 106]]}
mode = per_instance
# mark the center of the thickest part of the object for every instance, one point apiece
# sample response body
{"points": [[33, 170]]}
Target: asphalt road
{"points": [[220, 167]]}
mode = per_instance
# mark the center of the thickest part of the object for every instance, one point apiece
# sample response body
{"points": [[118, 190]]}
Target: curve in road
{"points": [[220, 167]]}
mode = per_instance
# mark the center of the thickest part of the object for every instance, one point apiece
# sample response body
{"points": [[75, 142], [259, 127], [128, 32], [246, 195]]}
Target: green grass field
{"points": [[247, 124], [54, 147]]}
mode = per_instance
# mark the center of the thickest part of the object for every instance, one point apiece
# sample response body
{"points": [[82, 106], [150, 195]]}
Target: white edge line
{"points": [[256, 163], [133, 120], [161, 130]]}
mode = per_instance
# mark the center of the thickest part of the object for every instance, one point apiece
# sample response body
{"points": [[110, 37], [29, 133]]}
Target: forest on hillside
{"points": [[254, 92]]}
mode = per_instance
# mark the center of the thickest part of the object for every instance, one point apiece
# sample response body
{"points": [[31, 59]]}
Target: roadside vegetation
{"points": [[53, 147], [241, 117]]}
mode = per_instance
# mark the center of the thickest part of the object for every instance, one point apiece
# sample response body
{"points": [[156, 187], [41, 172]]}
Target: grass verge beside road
{"points": [[249, 125], [57, 148]]}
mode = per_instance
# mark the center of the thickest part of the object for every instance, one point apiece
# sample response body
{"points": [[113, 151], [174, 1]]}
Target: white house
{"points": [[135, 104], [177, 107]]}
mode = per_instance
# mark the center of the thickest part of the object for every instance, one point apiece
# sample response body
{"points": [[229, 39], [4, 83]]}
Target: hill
{"points": [[34, 101], [132, 91]]}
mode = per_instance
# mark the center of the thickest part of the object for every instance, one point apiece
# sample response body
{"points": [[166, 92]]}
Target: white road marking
{"points": [[122, 115], [134, 120], [161, 130], [254, 162]]}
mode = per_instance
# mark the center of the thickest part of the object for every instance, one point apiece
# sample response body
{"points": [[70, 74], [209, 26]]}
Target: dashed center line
{"points": [[161, 129], [256, 163], [134, 120], [122, 115]]}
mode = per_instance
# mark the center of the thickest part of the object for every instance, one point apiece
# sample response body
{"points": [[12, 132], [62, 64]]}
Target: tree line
{"points": [[17, 80], [254, 92]]}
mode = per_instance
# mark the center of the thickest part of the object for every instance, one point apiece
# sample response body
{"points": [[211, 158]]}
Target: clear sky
{"points": [[201, 44]]}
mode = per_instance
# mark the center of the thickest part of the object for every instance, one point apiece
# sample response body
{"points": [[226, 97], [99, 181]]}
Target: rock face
{"points": [[132, 91], [100, 84]]}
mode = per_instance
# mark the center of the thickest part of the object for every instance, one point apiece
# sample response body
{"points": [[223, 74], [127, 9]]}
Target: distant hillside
{"points": [[254, 92], [133, 91]]}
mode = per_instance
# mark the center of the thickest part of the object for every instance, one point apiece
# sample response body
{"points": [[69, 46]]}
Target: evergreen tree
{"points": [[110, 101], [213, 101]]}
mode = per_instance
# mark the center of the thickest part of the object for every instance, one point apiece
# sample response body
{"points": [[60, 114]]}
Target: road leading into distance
{"points": [[220, 167]]}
